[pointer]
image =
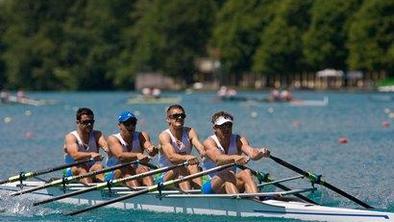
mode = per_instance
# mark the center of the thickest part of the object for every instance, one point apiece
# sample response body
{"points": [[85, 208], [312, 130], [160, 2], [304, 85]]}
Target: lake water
{"points": [[306, 136]]}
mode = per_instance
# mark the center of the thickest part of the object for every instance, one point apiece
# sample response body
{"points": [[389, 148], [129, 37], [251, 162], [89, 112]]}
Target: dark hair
{"points": [[84, 111], [175, 106], [216, 115]]}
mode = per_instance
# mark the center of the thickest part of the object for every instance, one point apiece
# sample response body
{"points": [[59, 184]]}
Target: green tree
{"points": [[31, 41], [2, 47], [170, 35], [236, 33], [281, 46], [324, 42], [371, 37]]}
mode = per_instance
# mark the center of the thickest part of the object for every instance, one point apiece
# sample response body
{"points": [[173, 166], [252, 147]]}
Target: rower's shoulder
{"points": [[164, 136], [209, 141]]}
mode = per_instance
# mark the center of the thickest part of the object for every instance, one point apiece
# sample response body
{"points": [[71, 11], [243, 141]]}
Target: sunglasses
{"points": [[130, 122], [177, 116], [87, 122], [225, 125]]}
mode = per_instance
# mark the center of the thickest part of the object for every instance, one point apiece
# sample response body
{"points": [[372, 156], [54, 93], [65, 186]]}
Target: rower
{"points": [[84, 143], [129, 145], [225, 147], [176, 143]]}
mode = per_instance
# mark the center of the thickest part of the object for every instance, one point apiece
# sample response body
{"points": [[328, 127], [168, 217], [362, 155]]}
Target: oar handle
{"points": [[316, 179]]}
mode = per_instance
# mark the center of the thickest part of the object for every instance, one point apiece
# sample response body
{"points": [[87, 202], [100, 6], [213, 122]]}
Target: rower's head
{"points": [[176, 116], [222, 123], [85, 119], [127, 122]]}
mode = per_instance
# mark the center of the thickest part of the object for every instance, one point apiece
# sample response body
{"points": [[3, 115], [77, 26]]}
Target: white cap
{"points": [[221, 120]]}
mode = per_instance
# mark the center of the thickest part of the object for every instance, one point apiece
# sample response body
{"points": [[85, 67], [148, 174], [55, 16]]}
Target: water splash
{"points": [[22, 206]]}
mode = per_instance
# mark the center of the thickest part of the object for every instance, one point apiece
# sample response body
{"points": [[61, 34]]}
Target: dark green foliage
{"points": [[324, 42], [281, 46], [102, 45], [371, 37], [236, 32]]}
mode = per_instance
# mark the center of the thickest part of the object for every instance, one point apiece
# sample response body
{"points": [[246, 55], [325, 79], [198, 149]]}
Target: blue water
{"points": [[32, 138]]}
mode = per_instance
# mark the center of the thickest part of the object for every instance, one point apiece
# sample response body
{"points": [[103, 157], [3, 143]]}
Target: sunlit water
{"points": [[32, 138]]}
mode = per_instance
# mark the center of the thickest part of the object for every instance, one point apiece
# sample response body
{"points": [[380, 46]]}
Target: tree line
{"points": [[102, 45]]}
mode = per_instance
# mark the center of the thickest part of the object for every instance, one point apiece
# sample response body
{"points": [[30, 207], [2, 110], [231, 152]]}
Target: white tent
{"points": [[329, 73]]}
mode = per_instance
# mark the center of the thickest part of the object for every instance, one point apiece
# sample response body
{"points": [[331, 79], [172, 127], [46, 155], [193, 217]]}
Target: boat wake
{"points": [[21, 206]]}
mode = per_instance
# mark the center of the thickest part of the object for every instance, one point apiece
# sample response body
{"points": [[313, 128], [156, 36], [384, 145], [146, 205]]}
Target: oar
{"points": [[279, 181], [265, 177], [23, 175], [66, 180], [151, 188], [110, 183], [317, 179]]}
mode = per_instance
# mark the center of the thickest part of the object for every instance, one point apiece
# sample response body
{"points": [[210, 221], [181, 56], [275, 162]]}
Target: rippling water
{"points": [[32, 138]]}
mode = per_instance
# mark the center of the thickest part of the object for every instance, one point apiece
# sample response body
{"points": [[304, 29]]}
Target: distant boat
{"points": [[153, 100], [27, 101], [294, 102], [323, 102], [386, 88]]}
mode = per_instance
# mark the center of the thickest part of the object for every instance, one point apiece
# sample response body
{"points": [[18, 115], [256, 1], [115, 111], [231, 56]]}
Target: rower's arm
{"points": [[71, 147], [196, 142], [102, 142], [147, 144], [168, 150], [116, 149], [219, 158], [253, 153]]}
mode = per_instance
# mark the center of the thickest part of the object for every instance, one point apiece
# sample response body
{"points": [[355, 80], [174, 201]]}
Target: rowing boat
{"points": [[295, 102], [28, 101], [193, 202], [323, 102], [152, 100]]}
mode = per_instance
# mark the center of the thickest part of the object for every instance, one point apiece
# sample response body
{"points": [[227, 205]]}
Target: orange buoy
{"points": [[343, 140]]}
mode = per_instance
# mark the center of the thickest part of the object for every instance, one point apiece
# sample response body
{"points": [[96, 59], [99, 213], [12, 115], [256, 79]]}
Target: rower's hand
{"points": [[241, 160], [96, 156], [152, 149], [202, 154], [143, 158], [192, 160], [264, 152]]}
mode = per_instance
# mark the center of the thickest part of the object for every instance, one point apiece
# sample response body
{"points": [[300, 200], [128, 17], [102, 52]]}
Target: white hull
{"points": [[174, 202]]}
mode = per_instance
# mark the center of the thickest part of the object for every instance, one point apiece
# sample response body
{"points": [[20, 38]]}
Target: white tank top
{"points": [[136, 147], [90, 147], [182, 146], [207, 163]]}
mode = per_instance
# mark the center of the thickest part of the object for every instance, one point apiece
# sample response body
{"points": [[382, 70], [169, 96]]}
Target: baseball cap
{"points": [[124, 116], [222, 120]]}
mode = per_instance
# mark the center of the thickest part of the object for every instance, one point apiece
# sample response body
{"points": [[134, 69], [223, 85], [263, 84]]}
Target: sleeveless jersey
{"points": [[90, 147], [207, 163], [182, 146], [136, 147]]}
